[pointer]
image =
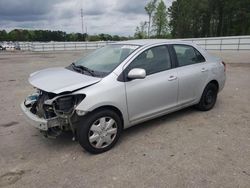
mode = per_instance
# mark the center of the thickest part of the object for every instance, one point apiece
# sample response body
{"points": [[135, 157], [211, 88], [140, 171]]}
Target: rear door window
{"points": [[187, 55]]}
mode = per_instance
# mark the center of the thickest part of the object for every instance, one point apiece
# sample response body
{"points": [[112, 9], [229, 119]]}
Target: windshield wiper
{"points": [[82, 68]]}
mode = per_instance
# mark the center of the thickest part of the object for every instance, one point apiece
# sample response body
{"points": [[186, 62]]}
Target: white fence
{"points": [[223, 43], [61, 46], [217, 43]]}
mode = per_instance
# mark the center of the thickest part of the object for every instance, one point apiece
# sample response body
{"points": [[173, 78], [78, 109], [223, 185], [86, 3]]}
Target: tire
{"points": [[208, 98], [99, 131]]}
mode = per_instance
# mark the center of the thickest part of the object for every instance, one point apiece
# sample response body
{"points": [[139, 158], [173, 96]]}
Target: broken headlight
{"points": [[65, 105], [31, 99]]}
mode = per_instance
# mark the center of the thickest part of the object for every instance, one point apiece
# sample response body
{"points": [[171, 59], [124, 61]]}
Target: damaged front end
{"points": [[52, 113]]}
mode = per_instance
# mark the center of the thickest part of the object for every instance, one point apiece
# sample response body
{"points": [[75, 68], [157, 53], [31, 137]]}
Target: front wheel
{"points": [[208, 98], [99, 131]]}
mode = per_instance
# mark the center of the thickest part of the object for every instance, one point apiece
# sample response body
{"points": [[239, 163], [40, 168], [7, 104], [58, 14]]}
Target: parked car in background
{"points": [[11, 46], [1, 47], [121, 85], [17, 46]]}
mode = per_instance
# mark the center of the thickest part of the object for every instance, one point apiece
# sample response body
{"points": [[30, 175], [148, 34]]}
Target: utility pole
{"points": [[82, 23], [86, 32]]}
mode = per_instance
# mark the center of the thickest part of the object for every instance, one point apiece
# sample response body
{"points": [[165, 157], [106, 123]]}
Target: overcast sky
{"points": [[100, 16]]}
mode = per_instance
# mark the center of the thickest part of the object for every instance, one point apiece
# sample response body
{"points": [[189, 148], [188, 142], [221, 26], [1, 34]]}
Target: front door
{"points": [[156, 93]]}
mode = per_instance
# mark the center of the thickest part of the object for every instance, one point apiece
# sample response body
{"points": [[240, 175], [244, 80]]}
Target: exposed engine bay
{"points": [[58, 110]]}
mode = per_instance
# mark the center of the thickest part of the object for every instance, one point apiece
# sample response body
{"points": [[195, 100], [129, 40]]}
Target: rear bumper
{"points": [[37, 122]]}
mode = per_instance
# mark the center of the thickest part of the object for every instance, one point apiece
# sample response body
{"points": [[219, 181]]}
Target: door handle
{"points": [[171, 78], [204, 70]]}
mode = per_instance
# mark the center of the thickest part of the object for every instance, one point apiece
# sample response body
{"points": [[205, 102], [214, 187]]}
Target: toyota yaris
{"points": [[121, 85]]}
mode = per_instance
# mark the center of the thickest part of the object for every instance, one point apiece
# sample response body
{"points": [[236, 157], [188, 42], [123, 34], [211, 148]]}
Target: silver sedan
{"points": [[121, 85]]}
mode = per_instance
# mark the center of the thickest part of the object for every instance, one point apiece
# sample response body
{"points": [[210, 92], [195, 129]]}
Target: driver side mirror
{"points": [[137, 73]]}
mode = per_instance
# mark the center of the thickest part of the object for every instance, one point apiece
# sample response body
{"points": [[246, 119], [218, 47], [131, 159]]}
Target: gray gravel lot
{"points": [[183, 149]]}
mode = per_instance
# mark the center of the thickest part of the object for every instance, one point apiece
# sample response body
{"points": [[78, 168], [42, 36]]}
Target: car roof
{"points": [[146, 42]]}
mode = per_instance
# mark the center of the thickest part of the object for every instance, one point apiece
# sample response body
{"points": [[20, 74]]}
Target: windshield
{"points": [[106, 59]]}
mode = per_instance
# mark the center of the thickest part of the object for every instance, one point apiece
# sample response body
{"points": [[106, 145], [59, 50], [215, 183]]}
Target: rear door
{"points": [[192, 72]]}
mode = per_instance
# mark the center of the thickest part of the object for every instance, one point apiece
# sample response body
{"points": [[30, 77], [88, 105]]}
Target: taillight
{"points": [[224, 64]]}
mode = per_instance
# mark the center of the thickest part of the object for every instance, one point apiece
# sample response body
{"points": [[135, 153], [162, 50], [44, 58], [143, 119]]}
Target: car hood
{"points": [[59, 80]]}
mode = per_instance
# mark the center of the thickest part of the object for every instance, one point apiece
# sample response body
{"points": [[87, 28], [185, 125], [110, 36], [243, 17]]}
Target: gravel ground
{"points": [[183, 149]]}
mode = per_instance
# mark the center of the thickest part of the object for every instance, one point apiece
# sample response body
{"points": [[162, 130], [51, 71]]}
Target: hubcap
{"points": [[102, 132]]}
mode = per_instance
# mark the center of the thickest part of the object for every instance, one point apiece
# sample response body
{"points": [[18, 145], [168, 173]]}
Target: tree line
{"points": [[47, 35], [184, 18], [195, 18]]}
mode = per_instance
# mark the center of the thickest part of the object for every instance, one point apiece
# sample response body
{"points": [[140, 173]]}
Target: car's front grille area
{"points": [[42, 110]]}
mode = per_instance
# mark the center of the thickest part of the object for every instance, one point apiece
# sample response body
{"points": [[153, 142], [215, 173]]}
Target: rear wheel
{"points": [[208, 98], [99, 131]]}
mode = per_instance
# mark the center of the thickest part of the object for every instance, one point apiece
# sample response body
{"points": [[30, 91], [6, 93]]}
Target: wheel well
{"points": [[113, 109], [215, 82]]}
